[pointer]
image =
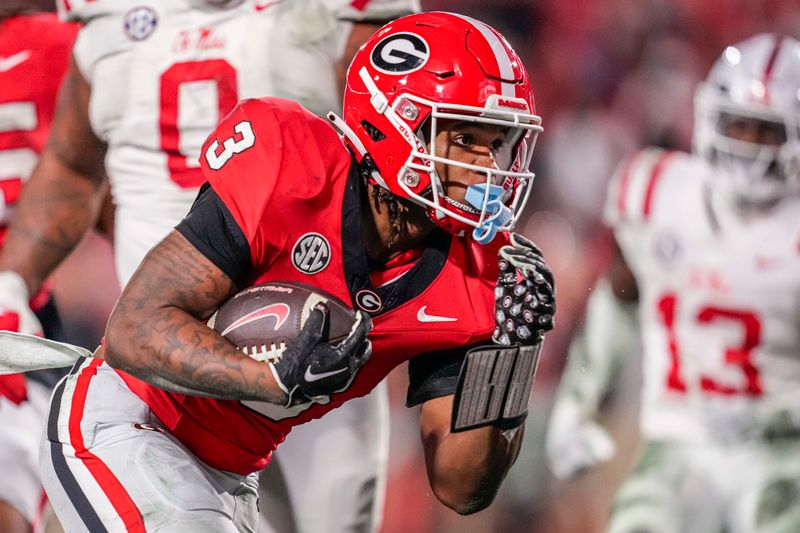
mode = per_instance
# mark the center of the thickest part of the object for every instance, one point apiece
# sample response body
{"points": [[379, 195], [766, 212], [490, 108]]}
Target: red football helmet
{"points": [[435, 66]]}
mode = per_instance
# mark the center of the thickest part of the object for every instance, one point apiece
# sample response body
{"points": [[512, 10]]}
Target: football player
{"points": [[148, 82], [407, 217], [30, 72], [708, 274]]}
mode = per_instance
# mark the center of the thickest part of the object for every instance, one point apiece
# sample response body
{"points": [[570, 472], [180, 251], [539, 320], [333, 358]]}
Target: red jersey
{"points": [[296, 193], [34, 53]]}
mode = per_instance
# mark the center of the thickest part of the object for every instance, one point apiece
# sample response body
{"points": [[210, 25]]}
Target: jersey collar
{"points": [[356, 264]]}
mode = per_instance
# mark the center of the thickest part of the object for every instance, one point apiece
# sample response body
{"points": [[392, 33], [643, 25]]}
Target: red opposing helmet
{"points": [[432, 66]]}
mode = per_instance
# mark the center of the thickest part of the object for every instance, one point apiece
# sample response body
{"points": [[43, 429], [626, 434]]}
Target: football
{"points": [[260, 320]]}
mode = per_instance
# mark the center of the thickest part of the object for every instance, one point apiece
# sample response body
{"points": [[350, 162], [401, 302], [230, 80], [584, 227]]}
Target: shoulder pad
{"points": [[636, 184], [85, 10], [374, 10], [264, 141]]}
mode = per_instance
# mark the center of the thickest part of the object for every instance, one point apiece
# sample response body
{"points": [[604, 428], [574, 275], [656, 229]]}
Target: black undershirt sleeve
{"points": [[435, 374], [211, 228]]}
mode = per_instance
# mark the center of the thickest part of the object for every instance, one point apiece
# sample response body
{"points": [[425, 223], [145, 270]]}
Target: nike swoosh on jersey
{"points": [[422, 316], [310, 377], [7, 63]]}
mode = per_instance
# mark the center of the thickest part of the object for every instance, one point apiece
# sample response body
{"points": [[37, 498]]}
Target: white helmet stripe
{"points": [[500, 54]]}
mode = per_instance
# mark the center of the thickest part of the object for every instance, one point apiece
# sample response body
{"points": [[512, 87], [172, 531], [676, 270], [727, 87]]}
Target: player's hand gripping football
{"points": [[524, 296], [311, 368], [15, 311]]}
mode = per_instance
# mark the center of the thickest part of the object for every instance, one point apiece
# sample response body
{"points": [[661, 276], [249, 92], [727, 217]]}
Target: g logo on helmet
{"points": [[400, 53]]}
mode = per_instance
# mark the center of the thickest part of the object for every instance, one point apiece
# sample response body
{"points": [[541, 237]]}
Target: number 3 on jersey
{"points": [[242, 139]]}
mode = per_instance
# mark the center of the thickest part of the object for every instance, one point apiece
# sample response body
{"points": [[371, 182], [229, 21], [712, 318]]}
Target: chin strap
{"points": [[350, 135], [488, 199]]}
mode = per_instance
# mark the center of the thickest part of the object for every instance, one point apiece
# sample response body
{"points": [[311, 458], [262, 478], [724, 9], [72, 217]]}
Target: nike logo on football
{"points": [[7, 63], [422, 316], [311, 377]]}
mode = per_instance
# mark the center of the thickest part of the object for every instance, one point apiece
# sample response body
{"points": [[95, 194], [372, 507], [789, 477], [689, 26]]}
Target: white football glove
{"points": [[576, 444], [15, 311]]}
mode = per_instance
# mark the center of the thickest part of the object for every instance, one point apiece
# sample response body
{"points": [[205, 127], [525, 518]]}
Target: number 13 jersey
{"points": [[719, 302]]}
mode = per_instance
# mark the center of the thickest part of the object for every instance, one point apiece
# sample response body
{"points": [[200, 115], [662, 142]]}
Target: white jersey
{"points": [[164, 72], [719, 302]]}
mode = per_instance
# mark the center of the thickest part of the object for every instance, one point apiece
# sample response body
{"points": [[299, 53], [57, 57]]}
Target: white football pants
{"points": [[20, 432], [108, 465]]}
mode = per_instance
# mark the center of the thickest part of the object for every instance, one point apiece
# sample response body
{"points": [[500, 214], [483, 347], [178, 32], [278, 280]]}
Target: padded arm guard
{"points": [[494, 386]]}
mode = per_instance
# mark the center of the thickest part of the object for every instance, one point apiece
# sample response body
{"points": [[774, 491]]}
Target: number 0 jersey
{"points": [[164, 72], [719, 302], [293, 194]]}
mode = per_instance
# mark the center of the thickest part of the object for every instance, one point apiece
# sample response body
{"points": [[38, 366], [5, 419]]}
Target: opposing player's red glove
{"points": [[13, 387], [15, 315], [15, 311], [9, 320]]}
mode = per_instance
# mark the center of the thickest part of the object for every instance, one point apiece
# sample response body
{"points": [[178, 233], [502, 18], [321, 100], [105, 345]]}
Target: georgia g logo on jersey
{"points": [[400, 53]]}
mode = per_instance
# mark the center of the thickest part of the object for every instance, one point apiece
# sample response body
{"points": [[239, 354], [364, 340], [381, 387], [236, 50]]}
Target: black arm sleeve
{"points": [[211, 228], [435, 374]]}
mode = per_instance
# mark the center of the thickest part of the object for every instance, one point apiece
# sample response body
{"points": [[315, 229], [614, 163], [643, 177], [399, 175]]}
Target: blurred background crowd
{"points": [[609, 76]]}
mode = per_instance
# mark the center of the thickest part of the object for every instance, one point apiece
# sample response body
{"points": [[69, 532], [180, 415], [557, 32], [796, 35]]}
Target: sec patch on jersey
{"points": [[260, 320]]}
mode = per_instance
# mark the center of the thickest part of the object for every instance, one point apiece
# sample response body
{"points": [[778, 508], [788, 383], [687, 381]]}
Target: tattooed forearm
{"points": [[156, 333], [164, 383]]}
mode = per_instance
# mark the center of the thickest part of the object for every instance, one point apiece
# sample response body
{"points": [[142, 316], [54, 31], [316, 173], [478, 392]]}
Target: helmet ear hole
{"points": [[374, 133]]}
